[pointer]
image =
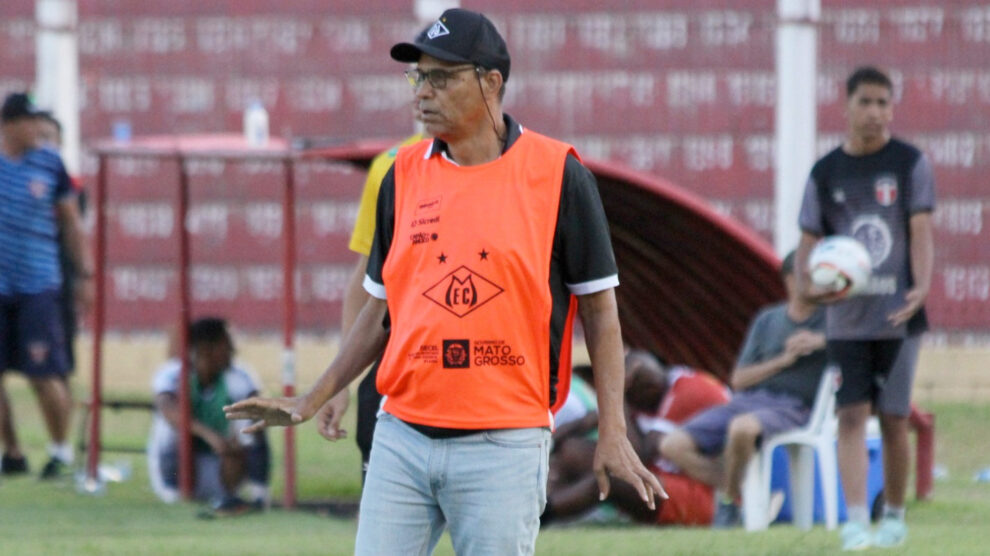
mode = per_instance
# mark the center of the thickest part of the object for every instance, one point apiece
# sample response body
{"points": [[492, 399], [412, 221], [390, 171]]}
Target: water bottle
{"points": [[256, 124]]}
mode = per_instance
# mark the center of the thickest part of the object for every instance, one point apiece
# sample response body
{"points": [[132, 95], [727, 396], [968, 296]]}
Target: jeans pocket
{"points": [[517, 438]]}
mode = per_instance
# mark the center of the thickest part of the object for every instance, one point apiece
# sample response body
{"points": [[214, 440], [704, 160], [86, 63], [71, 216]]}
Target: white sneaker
{"points": [[855, 536], [890, 533]]}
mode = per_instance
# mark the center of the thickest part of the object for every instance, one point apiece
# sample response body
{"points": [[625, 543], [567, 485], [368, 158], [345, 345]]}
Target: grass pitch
{"points": [[39, 518]]}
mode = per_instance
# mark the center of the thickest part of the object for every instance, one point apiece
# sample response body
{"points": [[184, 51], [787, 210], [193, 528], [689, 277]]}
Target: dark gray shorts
{"points": [[895, 396], [776, 413], [871, 367]]}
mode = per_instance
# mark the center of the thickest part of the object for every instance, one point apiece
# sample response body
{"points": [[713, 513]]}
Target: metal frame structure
{"points": [[225, 147]]}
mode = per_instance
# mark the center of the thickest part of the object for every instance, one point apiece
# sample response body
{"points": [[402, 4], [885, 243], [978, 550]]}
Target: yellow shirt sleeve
{"points": [[364, 227]]}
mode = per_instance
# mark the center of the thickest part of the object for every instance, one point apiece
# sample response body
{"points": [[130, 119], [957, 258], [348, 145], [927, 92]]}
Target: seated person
{"points": [[578, 418], [776, 379], [223, 457], [658, 398], [576, 430], [581, 402]]}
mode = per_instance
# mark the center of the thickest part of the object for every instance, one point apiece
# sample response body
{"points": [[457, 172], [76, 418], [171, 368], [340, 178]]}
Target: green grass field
{"points": [[52, 518]]}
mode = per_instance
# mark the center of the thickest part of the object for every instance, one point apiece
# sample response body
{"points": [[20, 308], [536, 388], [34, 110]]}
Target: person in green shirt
{"points": [[224, 459]]}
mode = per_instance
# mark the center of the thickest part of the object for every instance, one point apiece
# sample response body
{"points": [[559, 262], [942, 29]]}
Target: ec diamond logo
{"points": [[438, 30], [462, 291]]}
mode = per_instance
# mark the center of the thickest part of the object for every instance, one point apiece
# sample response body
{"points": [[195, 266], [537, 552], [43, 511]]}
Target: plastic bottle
{"points": [[256, 124]]}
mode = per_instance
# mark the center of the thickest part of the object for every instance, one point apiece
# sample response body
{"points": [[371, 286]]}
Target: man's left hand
{"points": [[329, 416], [85, 293], [615, 456], [915, 298]]}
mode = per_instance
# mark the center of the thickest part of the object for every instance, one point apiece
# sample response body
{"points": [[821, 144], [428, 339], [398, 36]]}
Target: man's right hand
{"points": [[803, 342], [269, 412], [823, 295]]}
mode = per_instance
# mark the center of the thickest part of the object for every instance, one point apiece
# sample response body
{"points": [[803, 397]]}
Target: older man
{"points": [[489, 238]]}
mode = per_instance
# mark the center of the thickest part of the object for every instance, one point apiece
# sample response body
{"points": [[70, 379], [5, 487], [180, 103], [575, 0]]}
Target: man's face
{"points": [[453, 110], [21, 133], [869, 111]]}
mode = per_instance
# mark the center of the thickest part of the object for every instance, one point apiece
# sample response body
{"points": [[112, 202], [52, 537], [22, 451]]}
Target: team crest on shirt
{"points": [[838, 196], [885, 190], [38, 188], [462, 291], [38, 352], [874, 233]]}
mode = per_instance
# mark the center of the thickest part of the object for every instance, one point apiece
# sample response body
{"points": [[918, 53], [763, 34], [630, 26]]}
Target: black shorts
{"points": [[31, 336], [865, 366]]}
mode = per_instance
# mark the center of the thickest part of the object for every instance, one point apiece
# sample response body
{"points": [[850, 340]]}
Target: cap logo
{"points": [[438, 30]]}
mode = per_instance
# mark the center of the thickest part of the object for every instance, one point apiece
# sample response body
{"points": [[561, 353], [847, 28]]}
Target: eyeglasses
{"points": [[436, 77]]}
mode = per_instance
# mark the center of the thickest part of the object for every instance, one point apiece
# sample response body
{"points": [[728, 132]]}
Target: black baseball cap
{"points": [[459, 36], [18, 105]]}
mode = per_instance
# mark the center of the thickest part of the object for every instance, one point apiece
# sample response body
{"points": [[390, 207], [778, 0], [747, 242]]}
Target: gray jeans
{"points": [[489, 488]]}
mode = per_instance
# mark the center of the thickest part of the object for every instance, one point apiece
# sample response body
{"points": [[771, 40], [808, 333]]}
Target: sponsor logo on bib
{"points": [[455, 354]]}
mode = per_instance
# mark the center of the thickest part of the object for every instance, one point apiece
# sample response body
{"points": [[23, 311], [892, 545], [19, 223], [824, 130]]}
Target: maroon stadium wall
{"points": [[679, 89]]}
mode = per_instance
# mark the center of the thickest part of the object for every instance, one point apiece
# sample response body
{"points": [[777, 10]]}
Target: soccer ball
{"points": [[840, 264]]}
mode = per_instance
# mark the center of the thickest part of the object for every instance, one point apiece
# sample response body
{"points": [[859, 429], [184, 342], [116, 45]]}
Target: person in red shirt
{"points": [[659, 399]]}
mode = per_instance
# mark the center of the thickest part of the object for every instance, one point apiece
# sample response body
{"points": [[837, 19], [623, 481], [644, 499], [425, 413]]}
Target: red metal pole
{"points": [[289, 326], [99, 252], [185, 414]]}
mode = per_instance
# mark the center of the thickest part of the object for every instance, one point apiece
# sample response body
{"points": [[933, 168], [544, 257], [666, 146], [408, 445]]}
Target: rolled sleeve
{"points": [[594, 286]]}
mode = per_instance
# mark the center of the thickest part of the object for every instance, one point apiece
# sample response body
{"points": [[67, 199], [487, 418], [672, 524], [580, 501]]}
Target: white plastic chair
{"points": [[817, 437]]}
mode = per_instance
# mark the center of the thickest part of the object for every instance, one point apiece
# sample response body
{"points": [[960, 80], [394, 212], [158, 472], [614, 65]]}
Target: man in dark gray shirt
{"points": [[881, 191], [776, 378]]}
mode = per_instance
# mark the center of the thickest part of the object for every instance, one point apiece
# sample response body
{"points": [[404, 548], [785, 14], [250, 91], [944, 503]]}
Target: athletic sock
{"points": [[257, 492], [894, 512], [858, 513], [61, 451]]}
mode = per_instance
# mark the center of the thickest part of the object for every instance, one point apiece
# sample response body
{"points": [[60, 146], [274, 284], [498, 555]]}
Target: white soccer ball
{"points": [[840, 264]]}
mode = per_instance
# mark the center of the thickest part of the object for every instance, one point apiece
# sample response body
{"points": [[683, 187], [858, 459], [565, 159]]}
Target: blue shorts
{"points": [[776, 413], [32, 339]]}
